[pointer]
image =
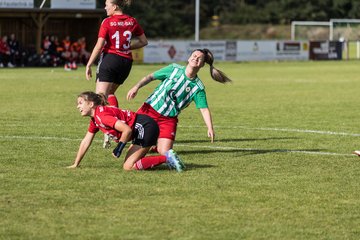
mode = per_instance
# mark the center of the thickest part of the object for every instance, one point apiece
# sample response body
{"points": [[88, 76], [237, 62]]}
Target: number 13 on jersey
{"points": [[127, 40]]}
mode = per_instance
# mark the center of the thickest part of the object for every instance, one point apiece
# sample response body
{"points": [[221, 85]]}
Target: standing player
{"points": [[122, 126], [115, 42], [179, 86]]}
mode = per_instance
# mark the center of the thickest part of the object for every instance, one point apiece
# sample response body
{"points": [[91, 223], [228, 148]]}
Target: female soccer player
{"points": [[179, 86], [115, 42], [122, 126]]}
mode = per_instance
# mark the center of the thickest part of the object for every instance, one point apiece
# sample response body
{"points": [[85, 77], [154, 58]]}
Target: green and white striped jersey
{"points": [[176, 91]]}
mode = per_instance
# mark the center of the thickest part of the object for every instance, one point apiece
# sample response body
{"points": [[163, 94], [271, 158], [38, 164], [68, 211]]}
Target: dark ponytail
{"points": [[215, 73], [122, 3], [97, 99]]}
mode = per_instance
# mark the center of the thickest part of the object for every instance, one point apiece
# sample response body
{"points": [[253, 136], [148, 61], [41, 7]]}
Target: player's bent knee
{"points": [[163, 151]]}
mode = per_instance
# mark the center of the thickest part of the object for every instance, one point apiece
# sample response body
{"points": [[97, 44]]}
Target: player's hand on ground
{"points": [[72, 166], [116, 152], [211, 135]]}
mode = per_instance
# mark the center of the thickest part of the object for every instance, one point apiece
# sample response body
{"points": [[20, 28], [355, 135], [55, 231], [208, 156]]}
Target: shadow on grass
{"points": [[189, 166], [234, 140]]}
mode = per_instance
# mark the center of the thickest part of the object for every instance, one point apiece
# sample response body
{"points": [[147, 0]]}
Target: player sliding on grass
{"points": [[180, 85], [122, 126]]}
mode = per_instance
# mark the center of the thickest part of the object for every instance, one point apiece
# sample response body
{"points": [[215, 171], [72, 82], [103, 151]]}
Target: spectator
{"points": [[67, 54], [53, 51], [84, 54], [46, 44], [75, 53], [4, 52], [48, 55], [14, 46]]}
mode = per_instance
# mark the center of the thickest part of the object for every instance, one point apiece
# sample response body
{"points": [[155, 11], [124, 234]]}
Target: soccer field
{"points": [[281, 166]]}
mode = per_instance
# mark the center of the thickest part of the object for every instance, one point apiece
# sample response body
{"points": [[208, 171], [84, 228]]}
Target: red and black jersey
{"points": [[118, 30], [105, 118]]}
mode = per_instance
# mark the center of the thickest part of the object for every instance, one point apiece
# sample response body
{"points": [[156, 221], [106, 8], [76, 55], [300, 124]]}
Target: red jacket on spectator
{"points": [[4, 47]]}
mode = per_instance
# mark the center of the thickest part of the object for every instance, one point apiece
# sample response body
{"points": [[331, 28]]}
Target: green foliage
{"points": [[173, 19], [246, 32], [281, 12], [176, 18], [281, 166], [163, 20]]}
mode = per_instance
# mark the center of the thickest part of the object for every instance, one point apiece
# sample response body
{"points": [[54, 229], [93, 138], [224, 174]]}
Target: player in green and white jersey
{"points": [[176, 91], [180, 85]]}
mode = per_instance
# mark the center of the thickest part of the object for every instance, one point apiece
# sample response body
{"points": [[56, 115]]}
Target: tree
{"points": [[176, 18], [162, 19]]}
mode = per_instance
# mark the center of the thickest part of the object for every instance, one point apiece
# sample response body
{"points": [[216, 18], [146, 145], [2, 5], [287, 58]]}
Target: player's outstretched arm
{"points": [[133, 91], [95, 53], [84, 146], [205, 112]]}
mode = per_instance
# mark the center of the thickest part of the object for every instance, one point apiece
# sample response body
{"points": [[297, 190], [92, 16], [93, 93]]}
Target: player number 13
{"points": [[127, 35]]}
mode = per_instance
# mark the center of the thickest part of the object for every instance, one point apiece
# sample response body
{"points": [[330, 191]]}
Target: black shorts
{"points": [[113, 68], [146, 131]]}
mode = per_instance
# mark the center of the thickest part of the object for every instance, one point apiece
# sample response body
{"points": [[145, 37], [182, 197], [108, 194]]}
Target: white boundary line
{"points": [[306, 131], [40, 138], [282, 130], [188, 146], [263, 150]]}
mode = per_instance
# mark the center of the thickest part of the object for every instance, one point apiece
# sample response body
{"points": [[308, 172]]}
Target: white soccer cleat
{"points": [[174, 161], [107, 143], [357, 152]]}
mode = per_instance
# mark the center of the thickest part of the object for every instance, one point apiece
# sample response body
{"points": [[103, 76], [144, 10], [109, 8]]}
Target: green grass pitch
{"points": [[281, 166]]}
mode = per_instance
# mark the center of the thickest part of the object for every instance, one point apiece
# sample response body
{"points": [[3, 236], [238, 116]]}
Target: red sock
{"points": [[149, 162], [112, 100]]}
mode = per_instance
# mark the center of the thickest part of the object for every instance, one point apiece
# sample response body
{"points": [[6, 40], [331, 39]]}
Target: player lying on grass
{"points": [[123, 126], [180, 85]]}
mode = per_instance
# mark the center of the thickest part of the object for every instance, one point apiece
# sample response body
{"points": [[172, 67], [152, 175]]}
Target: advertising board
{"points": [[73, 4], [16, 3], [325, 50]]}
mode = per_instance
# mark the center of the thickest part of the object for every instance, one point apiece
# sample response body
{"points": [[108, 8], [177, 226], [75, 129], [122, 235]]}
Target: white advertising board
{"points": [[272, 50], [16, 3], [216, 47], [179, 51], [165, 52], [73, 4]]}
